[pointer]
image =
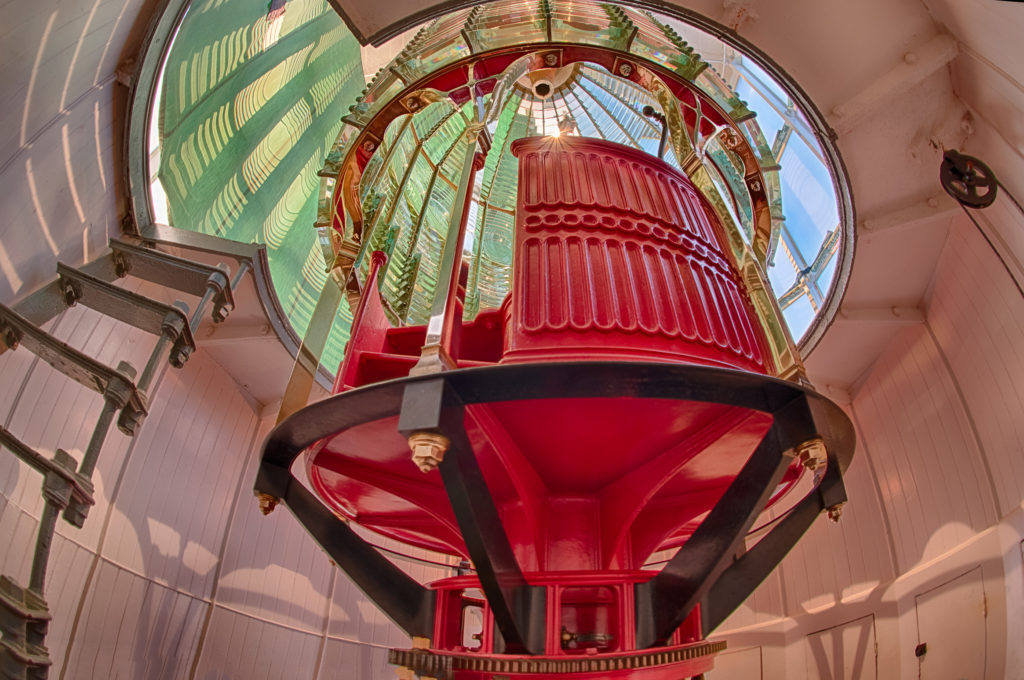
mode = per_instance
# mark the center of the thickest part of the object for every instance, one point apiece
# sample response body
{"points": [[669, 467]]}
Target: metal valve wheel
{"points": [[968, 180]]}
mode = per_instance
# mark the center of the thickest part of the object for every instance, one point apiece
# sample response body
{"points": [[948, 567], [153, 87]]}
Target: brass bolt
{"points": [[70, 294], [550, 58], [626, 70], [812, 453], [835, 512], [428, 449], [267, 503]]}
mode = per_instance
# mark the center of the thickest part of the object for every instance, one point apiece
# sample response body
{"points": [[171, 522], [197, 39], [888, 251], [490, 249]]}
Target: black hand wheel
{"points": [[968, 180]]}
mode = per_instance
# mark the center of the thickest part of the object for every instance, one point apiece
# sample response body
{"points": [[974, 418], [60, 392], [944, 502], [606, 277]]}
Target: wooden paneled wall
{"points": [[176, 573]]}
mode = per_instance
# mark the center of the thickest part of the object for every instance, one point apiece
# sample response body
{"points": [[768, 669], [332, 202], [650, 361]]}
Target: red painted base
{"points": [[589, 634], [581, 484]]}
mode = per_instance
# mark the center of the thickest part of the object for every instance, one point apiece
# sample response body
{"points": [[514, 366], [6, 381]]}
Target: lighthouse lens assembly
{"points": [[807, 197], [568, 367]]}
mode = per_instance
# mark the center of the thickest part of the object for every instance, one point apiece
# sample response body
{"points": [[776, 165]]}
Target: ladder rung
{"points": [[81, 489], [137, 310], [174, 272], [82, 368]]}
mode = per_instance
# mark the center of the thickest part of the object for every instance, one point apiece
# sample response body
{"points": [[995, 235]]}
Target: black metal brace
{"points": [[406, 602], [664, 602], [518, 608], [740, 579]]}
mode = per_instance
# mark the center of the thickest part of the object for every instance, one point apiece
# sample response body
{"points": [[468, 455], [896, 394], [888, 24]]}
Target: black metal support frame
{"points": [[518, 607], [704, 571], [406, 602], [739, 579], [664, 602]]}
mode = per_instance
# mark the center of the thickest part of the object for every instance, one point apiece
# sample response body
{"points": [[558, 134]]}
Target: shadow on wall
{"points": [[277, 597], [56, 195]]}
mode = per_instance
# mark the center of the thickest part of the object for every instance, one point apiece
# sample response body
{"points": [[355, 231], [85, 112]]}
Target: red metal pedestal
{"points": [[616, 405]]}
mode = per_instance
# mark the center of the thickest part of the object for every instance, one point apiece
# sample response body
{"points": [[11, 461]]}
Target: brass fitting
{"points": [[812, 453], [267, 502], [835, 512], [428, 449]]}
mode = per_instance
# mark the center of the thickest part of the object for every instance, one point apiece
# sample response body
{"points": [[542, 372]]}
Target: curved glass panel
{"points": [[249, 105], [411, 203], [804, 205]]}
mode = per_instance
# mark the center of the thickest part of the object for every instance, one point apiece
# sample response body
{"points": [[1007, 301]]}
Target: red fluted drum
{"points": [[617, 255]]}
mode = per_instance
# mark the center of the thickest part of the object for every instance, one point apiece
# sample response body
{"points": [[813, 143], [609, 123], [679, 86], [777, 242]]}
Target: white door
{"points": [[951, 629]]}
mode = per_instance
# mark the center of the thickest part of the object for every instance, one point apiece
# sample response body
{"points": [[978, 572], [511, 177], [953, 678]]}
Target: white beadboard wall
{"points": [[738, 663], [57, 198], [977, 320], [176, 573], [930, 471]]}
